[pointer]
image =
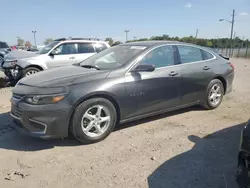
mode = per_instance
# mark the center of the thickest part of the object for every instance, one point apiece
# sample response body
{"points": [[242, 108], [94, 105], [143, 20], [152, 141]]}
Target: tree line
{"points": [[212, 43]]}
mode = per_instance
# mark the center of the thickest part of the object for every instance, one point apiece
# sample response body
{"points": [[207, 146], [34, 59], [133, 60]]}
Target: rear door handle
{"points": [[206, 68], [173, 73], [72, 57]]}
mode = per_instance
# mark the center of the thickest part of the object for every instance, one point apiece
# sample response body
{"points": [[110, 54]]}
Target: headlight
{"points": [[44, 99], [10, 63]]}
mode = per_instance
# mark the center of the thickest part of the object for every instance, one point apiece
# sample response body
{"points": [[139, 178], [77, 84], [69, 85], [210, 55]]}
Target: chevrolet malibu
{"points": [[123, 83]]}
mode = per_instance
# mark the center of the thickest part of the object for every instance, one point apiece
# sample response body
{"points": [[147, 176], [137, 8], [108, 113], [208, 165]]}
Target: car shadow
{"points": [[211, 163], [157, 117], [13, 140]]}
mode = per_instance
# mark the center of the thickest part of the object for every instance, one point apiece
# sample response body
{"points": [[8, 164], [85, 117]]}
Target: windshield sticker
{"points": [[138, 47]]}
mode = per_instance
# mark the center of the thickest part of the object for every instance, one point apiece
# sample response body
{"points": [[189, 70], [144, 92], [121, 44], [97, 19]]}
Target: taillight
{"points": [[231, 65]]}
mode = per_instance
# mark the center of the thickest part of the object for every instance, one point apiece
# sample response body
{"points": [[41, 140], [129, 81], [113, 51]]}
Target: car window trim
{"points": [[214, 57], [176, 65], [145, 53]]}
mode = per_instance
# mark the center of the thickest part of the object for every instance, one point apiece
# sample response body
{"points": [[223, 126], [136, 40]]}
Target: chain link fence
{"points": [[241, 51]]}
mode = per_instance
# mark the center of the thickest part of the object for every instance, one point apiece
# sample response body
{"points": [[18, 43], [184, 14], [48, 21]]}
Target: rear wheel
{"points": [[214, 94], [30, 70], [93, 120]]}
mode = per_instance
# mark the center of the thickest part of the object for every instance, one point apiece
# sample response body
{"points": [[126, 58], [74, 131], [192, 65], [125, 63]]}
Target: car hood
{"points": [[16, 55], [63, 76]]}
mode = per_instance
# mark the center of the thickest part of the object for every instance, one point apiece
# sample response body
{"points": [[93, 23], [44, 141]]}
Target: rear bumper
{"points": [[229, 81]]}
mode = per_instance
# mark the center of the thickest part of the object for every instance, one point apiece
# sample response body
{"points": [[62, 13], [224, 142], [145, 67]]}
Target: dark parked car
{"points": [[243, 172], [123, 83], [4, 49]]}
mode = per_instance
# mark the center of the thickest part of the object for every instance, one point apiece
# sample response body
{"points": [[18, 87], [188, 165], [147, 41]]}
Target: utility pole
{"points": [[232, 53], [34, 33], [232, 31], [196, 35], [126, 31], [243, 40]]}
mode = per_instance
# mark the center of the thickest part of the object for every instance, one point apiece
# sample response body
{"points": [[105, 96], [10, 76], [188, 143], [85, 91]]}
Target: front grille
{"points": [[16, 111]]}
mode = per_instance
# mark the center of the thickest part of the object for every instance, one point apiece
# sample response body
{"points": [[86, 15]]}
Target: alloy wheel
{"points": [[215, 94], [31, 72], [96, 121]]}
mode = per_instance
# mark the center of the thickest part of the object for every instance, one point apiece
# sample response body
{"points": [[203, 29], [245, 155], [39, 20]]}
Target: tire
{"points": [[30, 70], [210, 103], [85, 116]]}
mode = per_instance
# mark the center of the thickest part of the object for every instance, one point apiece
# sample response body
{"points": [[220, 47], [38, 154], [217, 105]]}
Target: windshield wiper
{"points": [[91, 67]]}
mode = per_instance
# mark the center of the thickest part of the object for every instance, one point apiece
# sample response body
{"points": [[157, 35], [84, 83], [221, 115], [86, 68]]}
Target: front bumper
{"points": [[43, 121], [243, 171]]}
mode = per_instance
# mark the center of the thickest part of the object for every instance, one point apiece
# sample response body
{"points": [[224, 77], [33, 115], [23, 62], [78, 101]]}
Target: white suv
{"points": [[60, 52]]}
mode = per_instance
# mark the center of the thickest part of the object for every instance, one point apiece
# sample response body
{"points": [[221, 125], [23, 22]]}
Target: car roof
{"points": [[151, 43], [87, 41], [80, 40]]}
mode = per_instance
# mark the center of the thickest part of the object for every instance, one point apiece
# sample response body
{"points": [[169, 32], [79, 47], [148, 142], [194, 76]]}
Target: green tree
{"points": [[47, 41], [20, 42], [209, 44], [110, 41]]}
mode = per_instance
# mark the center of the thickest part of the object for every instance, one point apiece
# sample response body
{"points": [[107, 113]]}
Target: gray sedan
{"points": [[123, 83]]}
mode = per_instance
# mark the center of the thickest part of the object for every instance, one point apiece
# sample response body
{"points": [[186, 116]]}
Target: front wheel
{"points": [[93, 120], [214, 94], [29, 71]]}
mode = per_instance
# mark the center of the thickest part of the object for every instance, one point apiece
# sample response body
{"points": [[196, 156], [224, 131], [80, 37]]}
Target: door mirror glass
{"points": [[144, 68]]}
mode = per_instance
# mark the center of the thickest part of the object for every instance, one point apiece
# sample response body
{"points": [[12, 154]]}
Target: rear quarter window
{"points": [[99, 47], [206, 55]]}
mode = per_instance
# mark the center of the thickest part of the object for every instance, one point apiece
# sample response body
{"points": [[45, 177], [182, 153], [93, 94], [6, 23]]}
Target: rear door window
{"points": [[85, 48], [189, 54]]}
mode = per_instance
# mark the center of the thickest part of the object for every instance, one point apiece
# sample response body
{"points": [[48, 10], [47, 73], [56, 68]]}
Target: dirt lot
{"points": [[188, 148]]}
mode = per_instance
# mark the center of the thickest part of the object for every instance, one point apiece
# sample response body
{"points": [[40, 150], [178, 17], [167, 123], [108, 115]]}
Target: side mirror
{"points": [[54, 52], [144, 68], [9, 49]]}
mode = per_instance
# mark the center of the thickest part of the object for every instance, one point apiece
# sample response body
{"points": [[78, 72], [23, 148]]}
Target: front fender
{"points": [[23, 63]]}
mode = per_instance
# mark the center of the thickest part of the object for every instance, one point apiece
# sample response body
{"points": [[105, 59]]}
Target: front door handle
{"points": [[206, 68], [173, 73], [72, 57]]}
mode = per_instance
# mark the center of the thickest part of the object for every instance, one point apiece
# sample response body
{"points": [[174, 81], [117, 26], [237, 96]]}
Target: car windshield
{"points": [[47, 48], [114, 57]]}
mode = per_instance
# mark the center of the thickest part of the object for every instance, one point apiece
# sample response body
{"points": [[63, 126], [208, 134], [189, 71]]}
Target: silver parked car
{"points": [[60, 52]]}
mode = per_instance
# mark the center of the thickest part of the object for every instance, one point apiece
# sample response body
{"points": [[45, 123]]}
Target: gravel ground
{"points": [[188, 148]]}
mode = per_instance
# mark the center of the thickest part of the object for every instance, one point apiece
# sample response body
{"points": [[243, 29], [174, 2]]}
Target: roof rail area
{"points": [[62, 39]]}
